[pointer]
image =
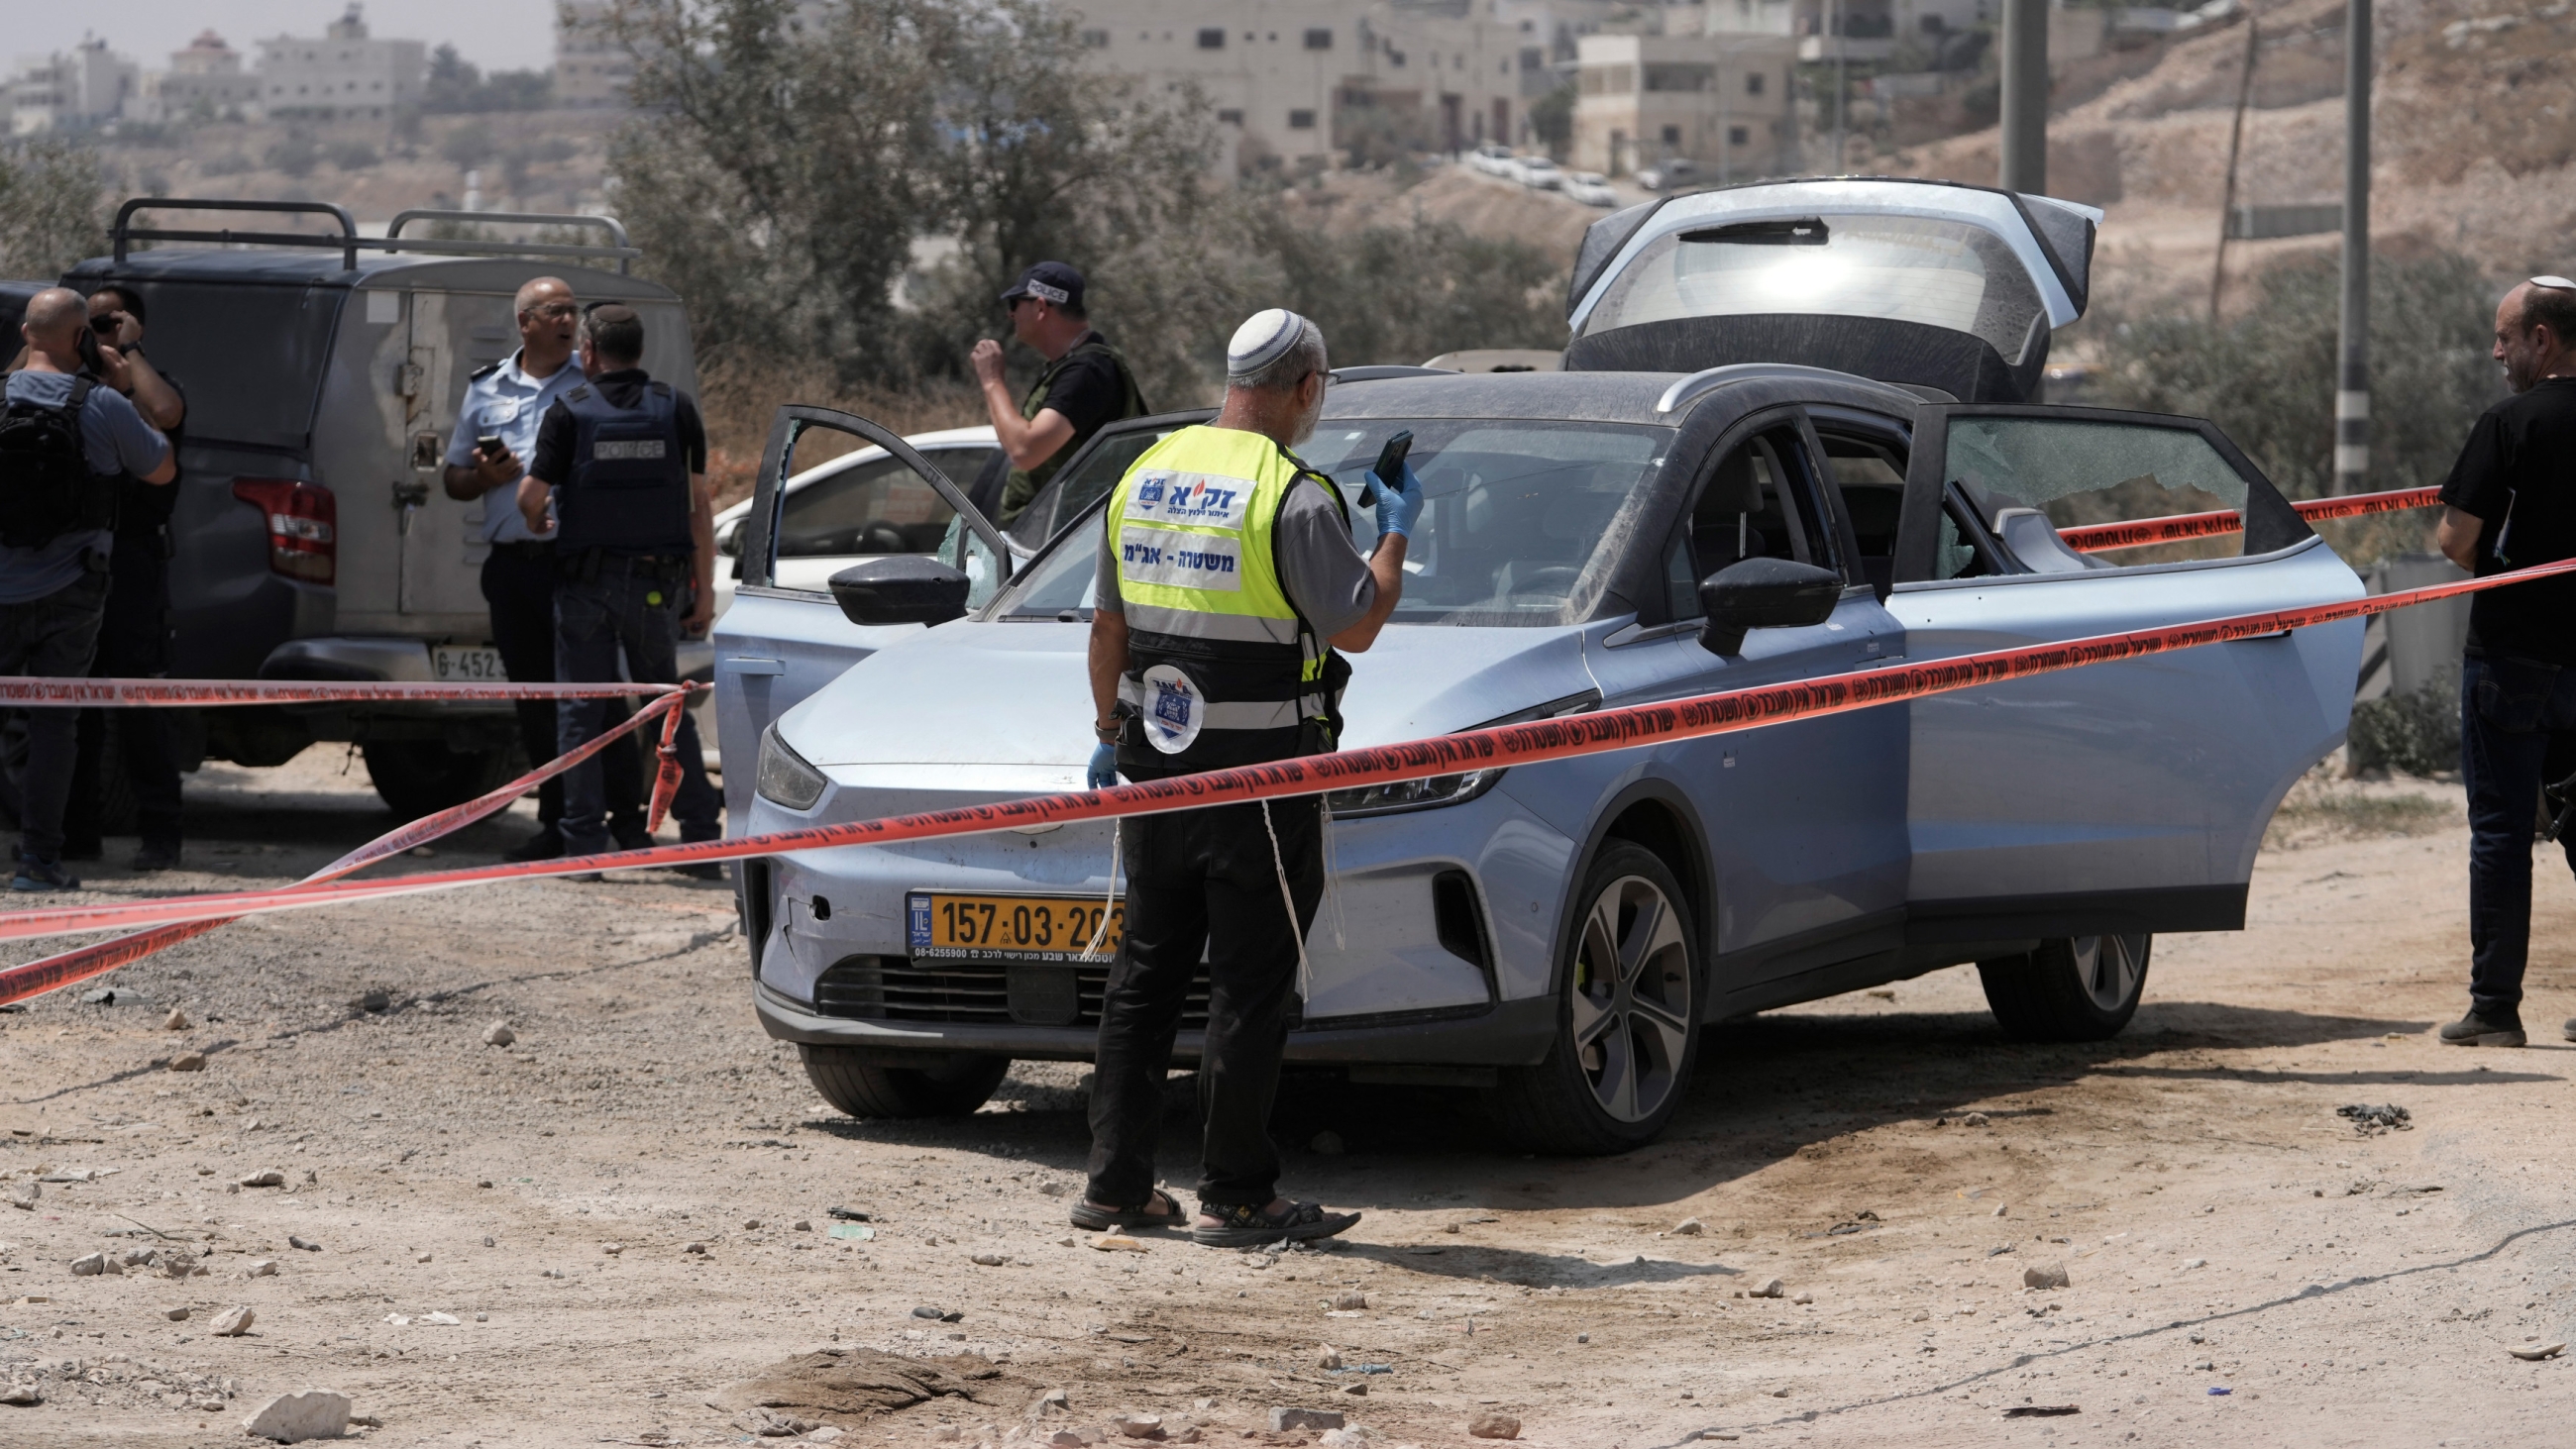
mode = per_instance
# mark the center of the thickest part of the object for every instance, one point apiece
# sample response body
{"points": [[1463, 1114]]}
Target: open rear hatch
{"points": [[1928, 284]]}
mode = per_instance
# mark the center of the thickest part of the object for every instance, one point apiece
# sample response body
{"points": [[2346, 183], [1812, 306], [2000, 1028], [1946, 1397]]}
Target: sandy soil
{"points": [[2222, 1227]]}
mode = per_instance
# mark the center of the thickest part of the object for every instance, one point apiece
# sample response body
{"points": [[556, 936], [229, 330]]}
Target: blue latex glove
{"points": [[1103, 771], [1398, 503]]}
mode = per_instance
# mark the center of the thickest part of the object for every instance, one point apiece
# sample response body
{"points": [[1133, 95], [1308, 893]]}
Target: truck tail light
{"points": [[303, 532]]}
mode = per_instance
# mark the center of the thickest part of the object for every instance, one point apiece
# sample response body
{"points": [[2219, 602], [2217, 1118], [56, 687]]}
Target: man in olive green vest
{"points": [[1228, 587], [1084, 385]]}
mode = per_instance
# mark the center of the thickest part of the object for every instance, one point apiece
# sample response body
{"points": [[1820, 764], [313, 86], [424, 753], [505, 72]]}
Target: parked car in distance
{"points": [[1668, 174], [863, 504], [1489, 158], [314, 537], [1591, 188], [1538, 173]]}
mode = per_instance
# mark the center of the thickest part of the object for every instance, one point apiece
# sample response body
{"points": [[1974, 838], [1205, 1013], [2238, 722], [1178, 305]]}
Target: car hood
{"points": [[1006, 706]]}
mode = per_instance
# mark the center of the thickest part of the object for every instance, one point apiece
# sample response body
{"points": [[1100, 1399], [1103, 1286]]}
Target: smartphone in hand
{"points": [[1390, 465]]}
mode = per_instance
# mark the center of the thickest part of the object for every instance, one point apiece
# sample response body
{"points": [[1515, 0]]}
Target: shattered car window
{"points": [[2081, 472], [1514, 516]]}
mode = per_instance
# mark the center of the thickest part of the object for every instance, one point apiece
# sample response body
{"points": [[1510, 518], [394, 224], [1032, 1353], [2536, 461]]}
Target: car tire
{"points": [[422, 777], [2072, 988], [861, 1084], [1623, 1049]]}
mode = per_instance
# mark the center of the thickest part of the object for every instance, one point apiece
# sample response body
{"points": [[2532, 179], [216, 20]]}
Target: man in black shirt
{"points": [[134, 634], [1084, 385], [2511, 503]]}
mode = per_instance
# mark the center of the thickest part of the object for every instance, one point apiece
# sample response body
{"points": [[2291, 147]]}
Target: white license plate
{"points": [[457, 664]]}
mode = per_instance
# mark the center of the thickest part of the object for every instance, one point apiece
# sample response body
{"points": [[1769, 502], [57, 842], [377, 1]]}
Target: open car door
{"points": [[2115, 798], [1930, 285], [777, 645]]}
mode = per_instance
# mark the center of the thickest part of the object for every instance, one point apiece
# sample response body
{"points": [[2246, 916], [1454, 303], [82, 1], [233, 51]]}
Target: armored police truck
{"points": [[314, 540]]}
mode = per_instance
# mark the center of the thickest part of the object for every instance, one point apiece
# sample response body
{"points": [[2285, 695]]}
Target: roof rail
{"points": [[348, 243], [618, 247]]}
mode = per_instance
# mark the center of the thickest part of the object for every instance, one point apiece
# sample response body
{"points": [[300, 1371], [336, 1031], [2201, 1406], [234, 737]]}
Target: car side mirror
{"points": [[1761, 593], [900, 589]]}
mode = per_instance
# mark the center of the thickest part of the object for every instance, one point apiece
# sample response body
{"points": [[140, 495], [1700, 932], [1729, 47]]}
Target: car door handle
{"points": [[747, 665]]}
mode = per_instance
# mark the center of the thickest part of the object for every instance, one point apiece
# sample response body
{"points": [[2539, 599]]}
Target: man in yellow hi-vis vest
{"points": [[1228, 580]]}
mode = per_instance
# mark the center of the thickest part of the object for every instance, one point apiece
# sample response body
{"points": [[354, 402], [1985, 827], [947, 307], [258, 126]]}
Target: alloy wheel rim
{"points": [[1631, 999], [2108, 968]]}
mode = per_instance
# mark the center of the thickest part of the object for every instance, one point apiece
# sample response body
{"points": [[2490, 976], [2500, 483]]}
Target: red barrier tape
{"points": [[52, 973], [1600, 732], [2099, 537], [180, 693]]}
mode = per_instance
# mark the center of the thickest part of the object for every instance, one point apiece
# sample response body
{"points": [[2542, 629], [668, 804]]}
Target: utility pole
{"points": [[2352, 390], [2235, 149], [1725, 133], [1842, 87], [2025, 108]]}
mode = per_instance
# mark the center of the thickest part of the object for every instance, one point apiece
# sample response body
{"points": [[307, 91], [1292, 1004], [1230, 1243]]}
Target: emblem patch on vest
{"points": [[1204, 499], [1181, 560], [648, 450], [1174, 709]]}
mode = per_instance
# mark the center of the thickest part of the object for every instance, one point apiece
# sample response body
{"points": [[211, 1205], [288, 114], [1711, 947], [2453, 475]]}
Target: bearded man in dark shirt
{"points": [[2511, 503]]}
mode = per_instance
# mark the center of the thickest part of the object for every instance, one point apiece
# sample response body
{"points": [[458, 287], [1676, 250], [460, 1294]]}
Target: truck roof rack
{"points": [[348, 243]]}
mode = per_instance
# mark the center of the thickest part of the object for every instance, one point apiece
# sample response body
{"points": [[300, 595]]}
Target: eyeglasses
{"points": [[2556, 283], [553, 311]]}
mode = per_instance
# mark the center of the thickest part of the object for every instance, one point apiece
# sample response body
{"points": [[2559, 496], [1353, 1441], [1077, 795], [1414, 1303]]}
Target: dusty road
{"points": [[2245, 1267]]}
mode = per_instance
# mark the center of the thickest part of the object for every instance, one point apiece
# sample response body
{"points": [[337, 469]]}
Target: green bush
{"points": [[2416, 733]]}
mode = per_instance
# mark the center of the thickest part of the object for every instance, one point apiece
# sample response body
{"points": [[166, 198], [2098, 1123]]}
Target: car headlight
{"points": [[1412, 794], [784, 778]]}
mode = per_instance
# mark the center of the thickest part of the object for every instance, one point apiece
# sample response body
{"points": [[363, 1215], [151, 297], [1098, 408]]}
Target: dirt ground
{"points": [[627, 1211]]}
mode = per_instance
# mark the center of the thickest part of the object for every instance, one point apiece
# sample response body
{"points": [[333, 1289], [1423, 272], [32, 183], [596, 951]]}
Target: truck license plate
{"points": [[459, 664], [1009, 928]]}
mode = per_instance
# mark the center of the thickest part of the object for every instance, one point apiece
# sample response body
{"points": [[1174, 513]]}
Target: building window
{"points": [[1738, 136], [1933, 25], [1319, 40], [1212, 39], [1229, 118], [1095, 40], [1301, 120], [1672, 135], [1753, 83]]}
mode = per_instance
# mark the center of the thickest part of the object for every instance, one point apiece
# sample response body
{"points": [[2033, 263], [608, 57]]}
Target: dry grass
{"points": [[738, 399], [2323, 808]]}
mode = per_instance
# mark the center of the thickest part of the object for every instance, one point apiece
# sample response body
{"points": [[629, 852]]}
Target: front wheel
{"points": [[861, 1084], [1627, 1016], [422, 777], [2072, 988]]}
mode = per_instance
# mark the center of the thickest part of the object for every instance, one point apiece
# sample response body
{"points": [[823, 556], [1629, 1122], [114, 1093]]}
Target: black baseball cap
{"points": [[1048, 282]]}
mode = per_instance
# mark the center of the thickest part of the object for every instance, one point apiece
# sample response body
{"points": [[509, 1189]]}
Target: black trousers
{"points": [[133, 643], [1203, 881], [519, 585]]}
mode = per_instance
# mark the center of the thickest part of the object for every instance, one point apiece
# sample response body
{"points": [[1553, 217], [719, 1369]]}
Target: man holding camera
{"points": [[134, 632], [496, 431], [67, 435], [622, 459]]}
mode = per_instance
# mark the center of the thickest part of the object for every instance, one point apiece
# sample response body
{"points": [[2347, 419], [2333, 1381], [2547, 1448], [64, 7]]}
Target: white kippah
{"points": [[1263, 340]]}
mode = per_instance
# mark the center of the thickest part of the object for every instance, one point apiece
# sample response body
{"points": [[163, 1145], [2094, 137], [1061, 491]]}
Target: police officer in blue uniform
{"points": [[505, 402], [623, 461]]}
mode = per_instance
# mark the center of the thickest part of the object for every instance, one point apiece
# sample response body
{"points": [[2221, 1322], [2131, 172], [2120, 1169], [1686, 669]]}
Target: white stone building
{"points": [[206, 80], [1296, 83], [591, 70], [88, 85], [343, 75], [1726, 101]]}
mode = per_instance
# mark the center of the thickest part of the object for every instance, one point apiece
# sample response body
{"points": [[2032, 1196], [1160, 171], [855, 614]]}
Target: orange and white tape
{"points": [[2098, 537]]}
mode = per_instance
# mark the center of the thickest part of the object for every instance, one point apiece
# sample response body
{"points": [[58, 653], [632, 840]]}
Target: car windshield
{"points": [[1900, 268], [1514, 514]]}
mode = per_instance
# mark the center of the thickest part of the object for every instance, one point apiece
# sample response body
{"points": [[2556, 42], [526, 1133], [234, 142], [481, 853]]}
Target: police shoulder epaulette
{"points": [[579, 394], [486, 370]]}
